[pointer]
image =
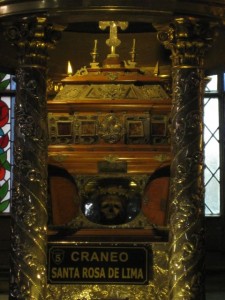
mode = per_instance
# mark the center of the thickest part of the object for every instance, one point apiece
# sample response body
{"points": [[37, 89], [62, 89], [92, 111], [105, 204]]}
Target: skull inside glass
{"points": [[111, 201], [112, 210]]}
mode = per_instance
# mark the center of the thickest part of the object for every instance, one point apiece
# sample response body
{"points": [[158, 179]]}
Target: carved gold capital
{"points": [[188, 39], [33, 37]]}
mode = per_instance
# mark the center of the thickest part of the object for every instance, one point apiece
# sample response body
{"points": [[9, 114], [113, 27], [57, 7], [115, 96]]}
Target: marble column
{"points": [[188, 40], [32, 37]]}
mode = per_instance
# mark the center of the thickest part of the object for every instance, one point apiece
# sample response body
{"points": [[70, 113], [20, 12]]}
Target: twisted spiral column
{"points": [[188, 40], [32, 37]]}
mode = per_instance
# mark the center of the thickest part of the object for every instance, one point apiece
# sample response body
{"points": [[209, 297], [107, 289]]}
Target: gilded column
{"points": [[188, 40], [32, 37]]}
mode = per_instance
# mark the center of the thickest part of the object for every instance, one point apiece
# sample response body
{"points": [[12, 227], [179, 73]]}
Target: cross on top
{"points": [[113, 40]]}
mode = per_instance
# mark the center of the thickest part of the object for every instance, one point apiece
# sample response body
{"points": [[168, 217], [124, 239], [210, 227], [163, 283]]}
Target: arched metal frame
{"points": [[187, 39]]}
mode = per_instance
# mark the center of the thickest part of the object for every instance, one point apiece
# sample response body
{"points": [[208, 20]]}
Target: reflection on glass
{"points": [[111, 201]]}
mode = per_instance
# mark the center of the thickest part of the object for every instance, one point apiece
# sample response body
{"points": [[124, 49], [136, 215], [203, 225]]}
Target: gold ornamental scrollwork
{"points": [[111, 129], [32, 38], [188, 39]]}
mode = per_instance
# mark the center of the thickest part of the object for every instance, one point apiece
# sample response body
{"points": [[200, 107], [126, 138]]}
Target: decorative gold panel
{"points": [[112, 92], [157, 288], [108, 128]]}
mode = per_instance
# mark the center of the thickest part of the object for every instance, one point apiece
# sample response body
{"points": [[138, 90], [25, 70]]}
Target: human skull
{"points": [[111, 207]]}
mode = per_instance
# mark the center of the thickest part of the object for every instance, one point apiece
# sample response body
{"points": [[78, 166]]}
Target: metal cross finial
{"points": [[113, 40]]}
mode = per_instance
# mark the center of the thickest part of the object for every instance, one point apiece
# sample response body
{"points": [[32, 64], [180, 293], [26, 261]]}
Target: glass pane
{"points": [[12, 83], [4, 82], [211, 113], [207, 175], [212, 159], [212, 194], [224, 82], [207, 135], [207, 211], [212, 155], [212, 85]]}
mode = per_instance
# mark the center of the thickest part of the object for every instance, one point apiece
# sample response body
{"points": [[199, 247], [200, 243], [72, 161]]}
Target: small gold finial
{"points": [[133, 51], [94, 55], [132, 62], [95, 46]]}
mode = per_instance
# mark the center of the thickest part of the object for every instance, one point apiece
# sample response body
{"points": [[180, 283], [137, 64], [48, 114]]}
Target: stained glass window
{"points": [[7, 98]]}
